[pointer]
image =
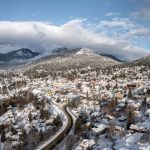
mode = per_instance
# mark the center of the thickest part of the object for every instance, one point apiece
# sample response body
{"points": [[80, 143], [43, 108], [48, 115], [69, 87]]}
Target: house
{"points": [[119, 128], [147, 113], [101, 128], [110, 117], [122, 119], [137, 128], [86, 144]]}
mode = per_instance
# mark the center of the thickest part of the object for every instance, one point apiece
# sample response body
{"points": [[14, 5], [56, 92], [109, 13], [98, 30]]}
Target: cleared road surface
{"points": [[59, 136]]}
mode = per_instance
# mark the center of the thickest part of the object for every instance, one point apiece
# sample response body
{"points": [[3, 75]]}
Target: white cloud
{"points": [[110, 14], [123, 23], [41, 36]]}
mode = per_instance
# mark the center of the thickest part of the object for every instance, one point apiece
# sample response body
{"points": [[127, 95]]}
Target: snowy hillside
{"points": [[85, 51]]}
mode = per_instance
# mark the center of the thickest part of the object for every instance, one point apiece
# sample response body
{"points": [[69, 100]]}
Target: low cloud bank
{"points": [[43, 37]]}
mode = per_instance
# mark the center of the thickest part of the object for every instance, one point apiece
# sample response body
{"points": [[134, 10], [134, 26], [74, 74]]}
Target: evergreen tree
{"points": [[144, 101], [3, 138], [1, 128], [41, 135], [87, 95], [41, 113], [30, 117], [78, 124], [116, 86], [57, 121], [108, 86], [46, 114], [130, 117], [13, 130], [112, 105], [130, 93]]}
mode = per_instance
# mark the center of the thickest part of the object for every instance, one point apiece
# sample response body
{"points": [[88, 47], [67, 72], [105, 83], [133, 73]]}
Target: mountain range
{"points": [[79, 57]]}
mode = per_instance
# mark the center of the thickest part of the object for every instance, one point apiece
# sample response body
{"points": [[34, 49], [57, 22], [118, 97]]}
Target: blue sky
{"points": [[61, 10], [112, 26]]}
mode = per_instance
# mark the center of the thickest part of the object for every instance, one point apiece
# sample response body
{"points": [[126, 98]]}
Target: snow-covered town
{"points": [[110, 108]]}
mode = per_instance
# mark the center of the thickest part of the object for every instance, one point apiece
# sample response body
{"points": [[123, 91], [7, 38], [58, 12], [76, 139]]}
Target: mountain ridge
{"points": [[112, 56], [23, 53]]}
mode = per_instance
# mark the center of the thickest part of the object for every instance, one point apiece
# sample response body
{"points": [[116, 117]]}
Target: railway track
{"points": [[59, 136]]}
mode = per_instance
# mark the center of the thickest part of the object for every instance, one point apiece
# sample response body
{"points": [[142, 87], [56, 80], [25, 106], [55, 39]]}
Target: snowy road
{"points": [[50, 144]]}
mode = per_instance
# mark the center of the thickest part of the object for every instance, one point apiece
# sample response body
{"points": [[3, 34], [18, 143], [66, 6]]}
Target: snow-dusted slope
{"points": [[85, 51]]}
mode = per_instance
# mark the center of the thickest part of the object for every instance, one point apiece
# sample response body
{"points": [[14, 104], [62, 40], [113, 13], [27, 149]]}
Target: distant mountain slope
{"points": [[23, 53], [16, 58], [112, 56], [144, 61]]}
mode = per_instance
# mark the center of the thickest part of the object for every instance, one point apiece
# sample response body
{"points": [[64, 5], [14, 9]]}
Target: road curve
{"points": [[59, 136]]}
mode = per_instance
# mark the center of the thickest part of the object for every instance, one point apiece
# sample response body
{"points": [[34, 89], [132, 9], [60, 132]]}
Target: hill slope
{"points": [[75, 58]]}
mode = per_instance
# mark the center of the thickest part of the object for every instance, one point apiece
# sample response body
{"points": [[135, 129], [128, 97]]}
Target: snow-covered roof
{"points": [[100, 128]]}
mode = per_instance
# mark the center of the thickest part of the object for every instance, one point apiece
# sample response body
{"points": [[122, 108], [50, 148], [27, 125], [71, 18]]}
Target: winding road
{"points": [[59, 136]]}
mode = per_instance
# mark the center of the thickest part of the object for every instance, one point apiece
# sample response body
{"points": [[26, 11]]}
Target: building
{"points": [[101, 128]]}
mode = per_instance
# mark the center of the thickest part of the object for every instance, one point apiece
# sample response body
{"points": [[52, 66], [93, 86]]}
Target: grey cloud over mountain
{"points": [[142, 11], [43, 37], [141, 32]]}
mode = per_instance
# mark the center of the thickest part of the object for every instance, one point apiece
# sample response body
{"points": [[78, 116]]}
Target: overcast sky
{"points": [[119, 27]]}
